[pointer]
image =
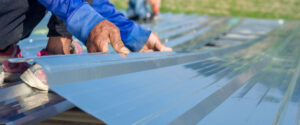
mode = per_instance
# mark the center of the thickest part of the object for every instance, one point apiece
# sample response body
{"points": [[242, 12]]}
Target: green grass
{"points": [[273, 9]]}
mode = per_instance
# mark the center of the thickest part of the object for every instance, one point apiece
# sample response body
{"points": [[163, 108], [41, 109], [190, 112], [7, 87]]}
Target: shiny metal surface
{"points": [[186, 90], [223, 71], [30, 107]]}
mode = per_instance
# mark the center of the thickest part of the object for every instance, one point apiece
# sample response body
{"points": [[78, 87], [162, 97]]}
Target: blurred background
{"points": [[271, 9]]}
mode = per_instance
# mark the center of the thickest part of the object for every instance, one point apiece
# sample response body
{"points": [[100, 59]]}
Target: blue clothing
{"points": [[81, 18], [138, 8]]}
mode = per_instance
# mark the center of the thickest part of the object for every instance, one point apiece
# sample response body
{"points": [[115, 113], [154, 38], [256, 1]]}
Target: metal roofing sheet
{"points": [[252, 80], [186, 88]]}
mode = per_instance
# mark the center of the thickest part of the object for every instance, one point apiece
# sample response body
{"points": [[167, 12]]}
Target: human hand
{"points": [[154, 44], [103, 34], [59, 45]]}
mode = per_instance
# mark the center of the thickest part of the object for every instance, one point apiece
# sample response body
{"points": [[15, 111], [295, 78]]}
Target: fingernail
{"points": [[125, 50], [123, 55]]}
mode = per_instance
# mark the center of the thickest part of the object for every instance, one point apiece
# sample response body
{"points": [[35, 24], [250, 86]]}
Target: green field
{"points": [[274, 9]]}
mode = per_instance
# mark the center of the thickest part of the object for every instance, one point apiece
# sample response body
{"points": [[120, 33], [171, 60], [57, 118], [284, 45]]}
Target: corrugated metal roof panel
{"points": [[182, 88], [252, 80]]}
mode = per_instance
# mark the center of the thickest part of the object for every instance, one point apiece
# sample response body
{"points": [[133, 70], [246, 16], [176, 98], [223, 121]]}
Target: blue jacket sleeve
{"points": [[78, 15], [132, 34]]}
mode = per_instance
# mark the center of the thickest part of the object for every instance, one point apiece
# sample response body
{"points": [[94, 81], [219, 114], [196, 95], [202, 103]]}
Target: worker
{"points": [[140, 11], [96, 25], [155, 6]]}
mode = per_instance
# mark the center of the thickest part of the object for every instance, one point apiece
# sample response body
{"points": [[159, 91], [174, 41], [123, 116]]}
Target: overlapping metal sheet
{"points": [[223, 71]]}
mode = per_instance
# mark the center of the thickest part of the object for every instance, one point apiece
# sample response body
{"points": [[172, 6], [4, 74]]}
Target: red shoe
{"points": [[43, 52], [10, 72], [35, 76]]}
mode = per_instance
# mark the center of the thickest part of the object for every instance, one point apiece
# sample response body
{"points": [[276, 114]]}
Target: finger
{"points": [[148, 51], [145, 48], [101, 42], [159, 46], [168, 49], [123, 55], [103, 46], [91, 47], [117, 43], [154, 43]]}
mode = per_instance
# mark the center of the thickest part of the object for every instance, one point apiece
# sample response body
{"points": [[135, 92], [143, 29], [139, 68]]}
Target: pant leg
{"points": [[57, 27], [131, 14], [147, 7], [138, 9], [142, 8], [18, 18]]}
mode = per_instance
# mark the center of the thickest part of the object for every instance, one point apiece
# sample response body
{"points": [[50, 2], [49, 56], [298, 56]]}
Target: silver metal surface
{"points": [[223, 71]]}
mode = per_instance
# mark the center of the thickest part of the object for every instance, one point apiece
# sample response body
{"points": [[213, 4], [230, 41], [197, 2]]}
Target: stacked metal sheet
{"points": [[223, 71]]}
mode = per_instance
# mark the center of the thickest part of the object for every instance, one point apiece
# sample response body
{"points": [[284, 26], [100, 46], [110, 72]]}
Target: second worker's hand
{"points": [[103, 34], [154, 44]]}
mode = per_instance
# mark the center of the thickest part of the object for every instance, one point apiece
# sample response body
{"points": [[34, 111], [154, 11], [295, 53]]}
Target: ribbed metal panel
{"points": [[248, 75]]}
